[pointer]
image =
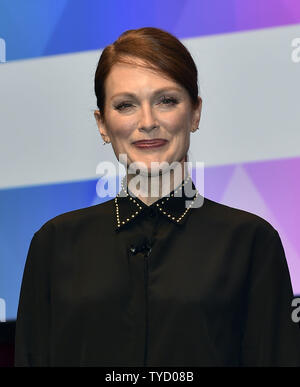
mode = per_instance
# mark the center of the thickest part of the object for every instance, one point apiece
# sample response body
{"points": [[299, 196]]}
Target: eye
{"points": [[164, 100], [122, 106], [169, 101]]}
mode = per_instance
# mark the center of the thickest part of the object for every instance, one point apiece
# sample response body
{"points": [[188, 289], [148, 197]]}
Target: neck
{"points": [[150, 188]]}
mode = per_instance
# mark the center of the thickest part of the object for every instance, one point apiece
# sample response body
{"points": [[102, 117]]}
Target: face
{"points": [[136, 108]]}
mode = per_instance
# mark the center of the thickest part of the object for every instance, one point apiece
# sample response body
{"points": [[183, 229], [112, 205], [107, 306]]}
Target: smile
{"points": [[147, 144]]}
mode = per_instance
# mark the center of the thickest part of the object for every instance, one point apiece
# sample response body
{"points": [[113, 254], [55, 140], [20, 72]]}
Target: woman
{"points": [[147, 280]]}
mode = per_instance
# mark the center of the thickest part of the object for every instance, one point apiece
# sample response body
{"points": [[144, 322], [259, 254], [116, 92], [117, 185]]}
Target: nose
{"points": [[147, 119]]}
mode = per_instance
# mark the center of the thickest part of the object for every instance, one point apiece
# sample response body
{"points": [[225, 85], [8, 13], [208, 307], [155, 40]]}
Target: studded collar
{"points": [[175, 206]]}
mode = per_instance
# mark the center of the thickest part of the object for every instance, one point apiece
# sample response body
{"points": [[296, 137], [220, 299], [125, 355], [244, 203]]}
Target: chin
{"points": [[144, 167]]}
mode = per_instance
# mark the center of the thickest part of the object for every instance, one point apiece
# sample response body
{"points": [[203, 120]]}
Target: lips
{"points": [[150, 143]]}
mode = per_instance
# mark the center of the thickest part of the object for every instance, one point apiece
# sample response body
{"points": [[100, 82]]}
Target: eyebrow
{"points": [[158, 91]]}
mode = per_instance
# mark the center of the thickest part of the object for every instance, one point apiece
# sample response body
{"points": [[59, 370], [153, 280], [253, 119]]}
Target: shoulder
{"points": [[227, 218], [98, 215], [242, 233]]}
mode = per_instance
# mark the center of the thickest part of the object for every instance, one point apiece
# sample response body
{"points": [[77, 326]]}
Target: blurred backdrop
{"points": [[248, 57]]}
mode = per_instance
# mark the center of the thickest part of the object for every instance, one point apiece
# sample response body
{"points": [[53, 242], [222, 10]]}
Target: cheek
{"points": [[120, 130], [177, 125], [179, 134]]}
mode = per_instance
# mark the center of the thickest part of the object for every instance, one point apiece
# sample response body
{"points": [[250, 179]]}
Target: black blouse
{"points": [[126, 284]]}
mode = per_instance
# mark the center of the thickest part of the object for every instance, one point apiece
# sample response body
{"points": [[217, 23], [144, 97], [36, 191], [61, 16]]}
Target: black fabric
{"points": [[210, 290]]}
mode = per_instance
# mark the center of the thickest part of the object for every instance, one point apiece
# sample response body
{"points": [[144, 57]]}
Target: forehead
{"points": [[128, 76]]}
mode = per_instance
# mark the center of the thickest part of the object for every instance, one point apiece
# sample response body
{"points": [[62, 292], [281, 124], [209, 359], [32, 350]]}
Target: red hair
{"points": [[160, 50]]}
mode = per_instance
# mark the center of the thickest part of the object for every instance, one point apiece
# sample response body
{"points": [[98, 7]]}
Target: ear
{"points": [[197, 115], [101, 126]]}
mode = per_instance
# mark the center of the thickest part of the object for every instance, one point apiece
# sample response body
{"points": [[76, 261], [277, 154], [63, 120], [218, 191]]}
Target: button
{"points": [[132, 249]]}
